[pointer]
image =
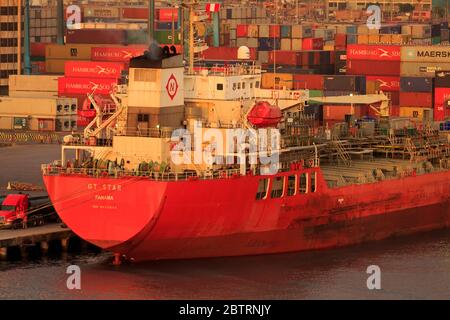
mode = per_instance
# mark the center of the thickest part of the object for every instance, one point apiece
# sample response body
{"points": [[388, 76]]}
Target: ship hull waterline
{"points": [[152, 220]]}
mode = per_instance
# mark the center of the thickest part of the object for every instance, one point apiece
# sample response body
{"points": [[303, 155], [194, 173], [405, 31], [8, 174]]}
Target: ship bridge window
{"points": [[262, 189], [303, 186], [277, 188], [251, 85], [234, 86], [220, 86], [243, 85], [314, 182], [291, 188], [239, 86], [143, 117]]}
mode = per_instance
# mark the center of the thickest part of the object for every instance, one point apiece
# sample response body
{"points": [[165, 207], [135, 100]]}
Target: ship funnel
{"points": [[154, 52], [243, 53]]}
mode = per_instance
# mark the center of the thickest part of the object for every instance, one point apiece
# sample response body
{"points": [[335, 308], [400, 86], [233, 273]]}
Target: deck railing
{"points": [[51, 170]]}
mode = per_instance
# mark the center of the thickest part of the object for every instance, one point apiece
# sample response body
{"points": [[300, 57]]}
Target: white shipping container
{"points": [[422, 69], [425, 53], [42, 83]]}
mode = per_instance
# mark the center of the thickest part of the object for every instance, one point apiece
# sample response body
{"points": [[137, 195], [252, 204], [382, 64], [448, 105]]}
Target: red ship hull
{"points": [[149, 220]]}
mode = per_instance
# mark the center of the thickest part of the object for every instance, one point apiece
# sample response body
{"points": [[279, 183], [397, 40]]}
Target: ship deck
{"points": [[373, 170]]}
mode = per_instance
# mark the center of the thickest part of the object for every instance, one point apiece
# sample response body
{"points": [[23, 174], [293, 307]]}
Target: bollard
{"points": [[3, 253], [44, 247], [65, 244], [23, 252]]}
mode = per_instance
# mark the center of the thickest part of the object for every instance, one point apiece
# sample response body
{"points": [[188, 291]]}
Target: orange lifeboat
{"points": [[264, 115]]}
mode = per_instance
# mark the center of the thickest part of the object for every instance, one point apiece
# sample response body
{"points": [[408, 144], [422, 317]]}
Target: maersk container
{"points": [[416, 84]]}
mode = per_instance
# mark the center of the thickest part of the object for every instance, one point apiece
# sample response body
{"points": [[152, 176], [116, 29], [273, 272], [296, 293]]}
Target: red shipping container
{"points": [[284, 57], [394, 111], [308, 81], [96, 36], [416, 99], [312, 44], [373, 52], [340, 41], [387, 84], [274, 31], [37, 49], [395, 98], [366, 67], [116, 54], [242, 30], [134, 13], [167, 14], [225, 53], [71, 86], [94, 69]]}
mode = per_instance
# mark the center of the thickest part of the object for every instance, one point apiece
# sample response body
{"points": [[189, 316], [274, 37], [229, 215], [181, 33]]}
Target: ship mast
{"points": [[195, 16]]}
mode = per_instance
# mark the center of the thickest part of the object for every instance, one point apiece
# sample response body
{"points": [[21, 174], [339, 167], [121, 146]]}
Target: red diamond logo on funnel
{"points": [[172, 87]]}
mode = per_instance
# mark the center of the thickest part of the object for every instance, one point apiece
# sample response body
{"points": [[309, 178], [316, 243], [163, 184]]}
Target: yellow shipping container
{"points": [[71, 51], [363, 39], [252, 31], [386, 38], [286, 44], [416, 113], [297, 44], [277, 80], [374, 38]]}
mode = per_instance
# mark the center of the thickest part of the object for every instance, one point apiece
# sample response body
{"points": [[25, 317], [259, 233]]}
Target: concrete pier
{"points": [[38, 236]]}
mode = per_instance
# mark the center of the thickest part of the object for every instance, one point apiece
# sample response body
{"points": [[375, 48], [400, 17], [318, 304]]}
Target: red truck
{"points": [[16, 211]]}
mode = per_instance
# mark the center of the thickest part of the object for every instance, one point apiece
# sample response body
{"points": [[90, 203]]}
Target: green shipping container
{"points": [[137, 37], [165, 37], [286, 31], [315, 93], [436, 40]]}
